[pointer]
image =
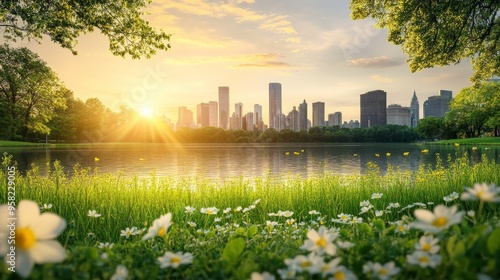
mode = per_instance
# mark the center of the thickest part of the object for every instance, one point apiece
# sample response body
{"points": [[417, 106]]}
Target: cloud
{"points": [[381, 79], [375, 62], [256, 60], [278, 24]]}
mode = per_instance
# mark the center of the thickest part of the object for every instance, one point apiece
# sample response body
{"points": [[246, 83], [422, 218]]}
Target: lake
{"points": [[235, 160]]}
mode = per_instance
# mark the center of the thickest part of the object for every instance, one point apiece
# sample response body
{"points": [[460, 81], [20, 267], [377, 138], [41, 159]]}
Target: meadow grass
{"points": [[246, 238]]}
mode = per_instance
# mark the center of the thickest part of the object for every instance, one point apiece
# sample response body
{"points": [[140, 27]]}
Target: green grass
{"points": [[5, 143], [471, 141], [243, 242]]}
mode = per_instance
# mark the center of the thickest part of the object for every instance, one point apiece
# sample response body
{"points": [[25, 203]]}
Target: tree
{"points": [[476, 109], [65, 20], [437, 33], [430, 128], [30, 92]]}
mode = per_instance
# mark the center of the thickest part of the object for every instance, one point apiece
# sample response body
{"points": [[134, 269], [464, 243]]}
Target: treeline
{"points": [[335, 134], [474, 112]]}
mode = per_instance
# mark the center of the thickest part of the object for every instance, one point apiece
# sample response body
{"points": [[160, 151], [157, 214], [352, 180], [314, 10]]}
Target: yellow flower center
{"points": [[480, 194], [426, 247], [382, 271], [423, 259], [439, 222], [210, 212], [305, 264], [340, 275], [321, 242], [175, 260], [162, 232], [25, 238], [401, 228]]}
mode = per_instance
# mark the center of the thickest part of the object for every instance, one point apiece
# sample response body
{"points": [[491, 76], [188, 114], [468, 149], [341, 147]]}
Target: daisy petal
{"points": [[48, 226], [24, 263], [27, 212], [48, 251]]}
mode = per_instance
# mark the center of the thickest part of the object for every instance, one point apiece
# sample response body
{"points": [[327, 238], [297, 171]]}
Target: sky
{"points": [[313, 48]]}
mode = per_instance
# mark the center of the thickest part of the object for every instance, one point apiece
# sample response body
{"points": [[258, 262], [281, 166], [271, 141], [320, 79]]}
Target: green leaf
{"points": [[379, 224], [364, 227], [252, 231], [458, 251], [233, 250], [493, 242], [450, 245]]}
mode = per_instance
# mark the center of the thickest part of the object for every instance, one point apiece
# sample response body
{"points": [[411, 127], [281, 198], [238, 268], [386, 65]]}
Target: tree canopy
{"points": [[30, 92], [65, 20], [437, 33]]}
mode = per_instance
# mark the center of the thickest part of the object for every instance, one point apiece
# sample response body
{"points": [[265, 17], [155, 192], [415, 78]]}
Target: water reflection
{"points": [[247, 160]]}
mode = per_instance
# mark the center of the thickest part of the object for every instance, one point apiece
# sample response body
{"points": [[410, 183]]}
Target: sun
{"points": [[146, 112]]}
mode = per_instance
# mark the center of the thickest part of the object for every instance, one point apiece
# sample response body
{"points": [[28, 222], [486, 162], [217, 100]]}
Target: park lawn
{"points": [[235, 227], [495, 141], [5, 143]]}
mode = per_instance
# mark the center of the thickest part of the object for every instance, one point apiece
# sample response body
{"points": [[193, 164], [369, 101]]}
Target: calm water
{"points": [[247, 160]]}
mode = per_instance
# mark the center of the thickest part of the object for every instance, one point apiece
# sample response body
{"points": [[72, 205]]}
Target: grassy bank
{"points": [[257, 225], [495, 141], [5, 143]]}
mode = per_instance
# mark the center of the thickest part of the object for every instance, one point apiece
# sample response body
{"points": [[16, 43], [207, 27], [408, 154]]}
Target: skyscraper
{"points": [[248, 124], [236, 120], [335, 119], [303, 116], [437, 106], [257, 113], [275, 106], [224, 107], [415, 110], [292, 120], [373, 108], [398, 115], [318, 114], [213, 113], [202, 114], [185, 117]]}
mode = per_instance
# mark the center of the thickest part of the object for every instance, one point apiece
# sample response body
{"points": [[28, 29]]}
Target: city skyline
{"points": [[315, 51]]}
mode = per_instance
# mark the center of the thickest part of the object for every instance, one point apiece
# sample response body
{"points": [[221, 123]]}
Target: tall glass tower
{"points": [[275, 106], [223, 107], [414, 108]]}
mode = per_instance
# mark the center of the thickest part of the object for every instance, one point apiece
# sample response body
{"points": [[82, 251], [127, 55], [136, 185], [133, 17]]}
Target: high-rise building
{"points": [[213, 113], [248, 123], [224, 107], [185, 117], [398, 115], [257, 114], [373, 105], [318, 114], [335, 119], [202, 114], [437, 106], [236, 120], [258, 120], [415, 110], [292, 120], [303, 116], [275, 106]]}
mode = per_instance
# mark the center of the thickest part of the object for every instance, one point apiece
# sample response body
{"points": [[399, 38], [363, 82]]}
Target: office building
{"points": [[275, 106], [335, 119], [415, 110], [437, 106], [292, 120], [185, 117], [303, 116], [318, 118], [224, 107], [398, 115], [257, 114], [373, 105], [213, 114], [248, 123], [202, 114]]}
